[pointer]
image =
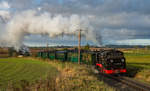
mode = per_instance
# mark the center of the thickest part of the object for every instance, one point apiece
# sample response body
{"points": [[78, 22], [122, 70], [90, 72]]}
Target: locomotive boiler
{"points": [[111, 62]]}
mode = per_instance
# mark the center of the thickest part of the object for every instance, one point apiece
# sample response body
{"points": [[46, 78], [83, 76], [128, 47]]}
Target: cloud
{"points": [[132, 42], [4, 11], [4, 5], [131, 23], [31, 22], [113, 20], [4, 16]]}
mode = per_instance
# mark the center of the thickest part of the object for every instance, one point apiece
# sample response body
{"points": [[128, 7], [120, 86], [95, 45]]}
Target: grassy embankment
{"points": [[138, 64], [34, 74], [16, 73], [76, 77]]}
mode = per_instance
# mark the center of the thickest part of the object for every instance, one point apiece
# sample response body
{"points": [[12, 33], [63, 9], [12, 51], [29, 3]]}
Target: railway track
{"points": [[130, 83], [138, 86]]}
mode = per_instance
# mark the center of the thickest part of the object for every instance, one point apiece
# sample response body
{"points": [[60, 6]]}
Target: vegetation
{"points": [[75, 77], [138, 64], [86, 47], [17, 71], [30, 74]]}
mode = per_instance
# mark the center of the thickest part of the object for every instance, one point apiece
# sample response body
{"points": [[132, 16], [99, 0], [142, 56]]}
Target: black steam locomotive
{"points": [[24, 51], [111, 62], [106, 61]]}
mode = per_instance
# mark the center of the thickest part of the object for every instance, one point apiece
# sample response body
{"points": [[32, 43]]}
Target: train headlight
{"points": [[122, 60], [111, 61]]}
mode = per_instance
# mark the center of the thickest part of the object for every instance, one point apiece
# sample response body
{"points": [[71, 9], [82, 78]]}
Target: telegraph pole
{"points": [[79, 45], [47, 46]]}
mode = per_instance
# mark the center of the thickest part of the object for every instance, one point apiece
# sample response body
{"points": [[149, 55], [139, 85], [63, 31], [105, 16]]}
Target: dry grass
{"points": [[74, 77]]}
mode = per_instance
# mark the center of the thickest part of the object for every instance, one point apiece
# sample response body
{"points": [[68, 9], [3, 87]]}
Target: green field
{"points": [[137, 60], [138, 65], [29, 74], [15, 70]]}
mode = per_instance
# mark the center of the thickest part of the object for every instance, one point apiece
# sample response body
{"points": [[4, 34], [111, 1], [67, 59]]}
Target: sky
{"points": [[118, 22]]}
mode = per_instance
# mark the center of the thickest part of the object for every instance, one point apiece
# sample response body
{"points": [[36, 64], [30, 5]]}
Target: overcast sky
{"points": [[116, 21]]}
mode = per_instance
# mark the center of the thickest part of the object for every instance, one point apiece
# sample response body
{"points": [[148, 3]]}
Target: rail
{"points": [[138, 86]]}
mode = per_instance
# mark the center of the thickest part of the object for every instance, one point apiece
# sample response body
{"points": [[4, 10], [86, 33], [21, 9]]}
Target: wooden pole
{"points": [[79, 46], [47, 47]]}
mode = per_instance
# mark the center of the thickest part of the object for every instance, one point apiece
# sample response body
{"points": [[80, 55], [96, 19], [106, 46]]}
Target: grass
{"points": [[65, 76], [15, 70], [75, 77], [138, 65], [30, 74]]}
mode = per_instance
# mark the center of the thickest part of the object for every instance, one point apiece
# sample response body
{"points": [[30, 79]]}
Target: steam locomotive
{"points": [[106, 61], [111, 62], [24, 51]]}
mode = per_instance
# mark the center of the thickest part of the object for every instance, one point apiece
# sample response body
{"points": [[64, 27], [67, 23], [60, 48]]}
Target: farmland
{"points": [[138, 64]]}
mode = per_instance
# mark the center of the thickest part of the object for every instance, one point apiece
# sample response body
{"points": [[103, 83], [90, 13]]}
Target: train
{"points": [[24, 51], [106, 61], [111, 62]]}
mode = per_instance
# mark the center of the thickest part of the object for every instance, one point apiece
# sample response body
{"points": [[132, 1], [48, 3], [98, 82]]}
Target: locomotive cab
{"points": [[111, 62]]}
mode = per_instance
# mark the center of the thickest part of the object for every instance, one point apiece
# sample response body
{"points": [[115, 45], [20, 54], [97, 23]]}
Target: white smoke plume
{"points": [[4, 13], [31, 22]]}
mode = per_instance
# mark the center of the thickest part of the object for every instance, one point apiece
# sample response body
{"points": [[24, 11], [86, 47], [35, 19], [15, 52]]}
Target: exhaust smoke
{"points": [[31, 22]]}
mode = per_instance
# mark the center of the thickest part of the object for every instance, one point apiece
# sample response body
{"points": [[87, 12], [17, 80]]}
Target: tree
{"points": [[87, 47]]}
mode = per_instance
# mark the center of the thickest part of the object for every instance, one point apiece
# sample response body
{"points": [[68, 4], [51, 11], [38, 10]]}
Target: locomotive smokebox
{"points": [[24, 51]]}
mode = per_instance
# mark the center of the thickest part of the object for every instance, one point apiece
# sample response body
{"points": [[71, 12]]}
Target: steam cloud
{"points": [[31, 22]]}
